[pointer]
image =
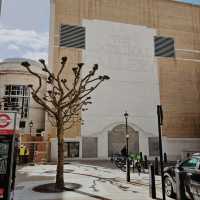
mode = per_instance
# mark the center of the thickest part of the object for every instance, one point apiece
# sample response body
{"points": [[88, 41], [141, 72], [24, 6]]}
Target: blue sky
{"points": [[191, 1], [24, 26]]}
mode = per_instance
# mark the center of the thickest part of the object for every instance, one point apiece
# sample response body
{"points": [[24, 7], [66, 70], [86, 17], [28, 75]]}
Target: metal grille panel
{"points": [[164, 46], [72, 36], [89, 147]]}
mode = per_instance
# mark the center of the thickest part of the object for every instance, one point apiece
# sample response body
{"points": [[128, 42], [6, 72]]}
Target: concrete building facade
{"points": [[151, 51]]}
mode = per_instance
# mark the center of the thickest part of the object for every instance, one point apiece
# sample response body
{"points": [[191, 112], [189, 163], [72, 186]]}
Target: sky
{"points": [[191, 1], [24, 28]]}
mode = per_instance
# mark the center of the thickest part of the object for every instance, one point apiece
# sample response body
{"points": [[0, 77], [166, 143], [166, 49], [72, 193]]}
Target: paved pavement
{"points": [[98, 181]]}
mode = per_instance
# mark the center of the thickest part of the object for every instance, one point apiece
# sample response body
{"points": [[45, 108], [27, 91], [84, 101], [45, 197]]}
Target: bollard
{"points": [[180, 186], [145, 162], [156, 166], [141, 156], [127, 170], [165, 157], [152, 184], [138, 166], [133, 167]]}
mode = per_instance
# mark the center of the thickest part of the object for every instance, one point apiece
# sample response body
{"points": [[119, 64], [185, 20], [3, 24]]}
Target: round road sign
{"points": [[4, 120]]}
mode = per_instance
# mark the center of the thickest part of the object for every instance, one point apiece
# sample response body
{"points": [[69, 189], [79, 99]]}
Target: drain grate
{"points": [[19, 187]]}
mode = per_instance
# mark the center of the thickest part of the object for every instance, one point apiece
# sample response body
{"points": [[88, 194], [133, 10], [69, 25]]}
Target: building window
{"points": [[16, 98], [164, 46], [72, 36], [22, 124]]}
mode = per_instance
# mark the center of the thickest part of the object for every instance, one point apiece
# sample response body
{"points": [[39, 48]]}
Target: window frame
{"points": [[17, 98]]}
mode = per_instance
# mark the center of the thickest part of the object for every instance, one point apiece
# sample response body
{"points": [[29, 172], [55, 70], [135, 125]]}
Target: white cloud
{"points": [[26, 43], [13, 47], [36, 55], [31, 39]]}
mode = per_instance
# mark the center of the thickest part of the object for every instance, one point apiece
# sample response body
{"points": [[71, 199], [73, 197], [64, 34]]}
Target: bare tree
{"points": [[64, 100]]}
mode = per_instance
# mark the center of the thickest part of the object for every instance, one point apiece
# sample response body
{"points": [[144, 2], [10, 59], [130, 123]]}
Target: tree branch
{"points": [[27, 66], [63, 102]]}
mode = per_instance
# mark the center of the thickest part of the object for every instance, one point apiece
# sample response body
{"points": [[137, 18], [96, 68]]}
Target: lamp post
{"points": [[160, 123], [127, 159], [30, 126]]}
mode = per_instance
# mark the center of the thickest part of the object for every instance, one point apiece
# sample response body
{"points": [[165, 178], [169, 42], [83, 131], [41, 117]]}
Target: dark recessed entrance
{"points": [[117, 140], [71, 149]]}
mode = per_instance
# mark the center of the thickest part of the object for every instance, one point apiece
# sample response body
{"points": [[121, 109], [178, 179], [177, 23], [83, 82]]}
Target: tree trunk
{"points": [[60, 162]]}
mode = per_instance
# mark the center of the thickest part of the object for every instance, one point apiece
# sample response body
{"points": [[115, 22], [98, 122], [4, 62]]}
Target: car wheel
{"points": [[168, 187]]}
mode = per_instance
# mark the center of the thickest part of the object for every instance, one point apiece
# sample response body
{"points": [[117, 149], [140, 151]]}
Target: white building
{"points": [[126, 54], [14, 81]]}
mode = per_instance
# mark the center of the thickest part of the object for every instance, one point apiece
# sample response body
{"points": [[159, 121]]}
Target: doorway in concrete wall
{"points": [[71, 150], [117, 140]]}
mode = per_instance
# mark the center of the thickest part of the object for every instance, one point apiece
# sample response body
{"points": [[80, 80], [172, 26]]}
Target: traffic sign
{"points": [[7, 123]]}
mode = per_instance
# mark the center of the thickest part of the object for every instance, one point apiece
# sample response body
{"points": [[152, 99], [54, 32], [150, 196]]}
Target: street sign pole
{"points": [[160, 123], [12, 161], [7, 146]]}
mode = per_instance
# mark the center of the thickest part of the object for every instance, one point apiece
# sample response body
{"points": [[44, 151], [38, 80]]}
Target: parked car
{"points": [[191, 180]]}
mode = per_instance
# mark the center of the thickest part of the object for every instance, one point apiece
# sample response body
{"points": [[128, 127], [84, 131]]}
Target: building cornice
{"points": [[8, 72]]}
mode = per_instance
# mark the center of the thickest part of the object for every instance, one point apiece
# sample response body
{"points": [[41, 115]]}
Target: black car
{"points": [[191, 180]]}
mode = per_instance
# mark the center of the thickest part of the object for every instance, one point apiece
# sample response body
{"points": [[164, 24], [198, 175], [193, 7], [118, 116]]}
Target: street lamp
{"points": [[127, 135], [127, 159], [30, 126]]}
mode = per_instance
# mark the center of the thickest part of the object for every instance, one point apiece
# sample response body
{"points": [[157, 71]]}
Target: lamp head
{"points": [[30, 123], [126, 115], [127, 136]]}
